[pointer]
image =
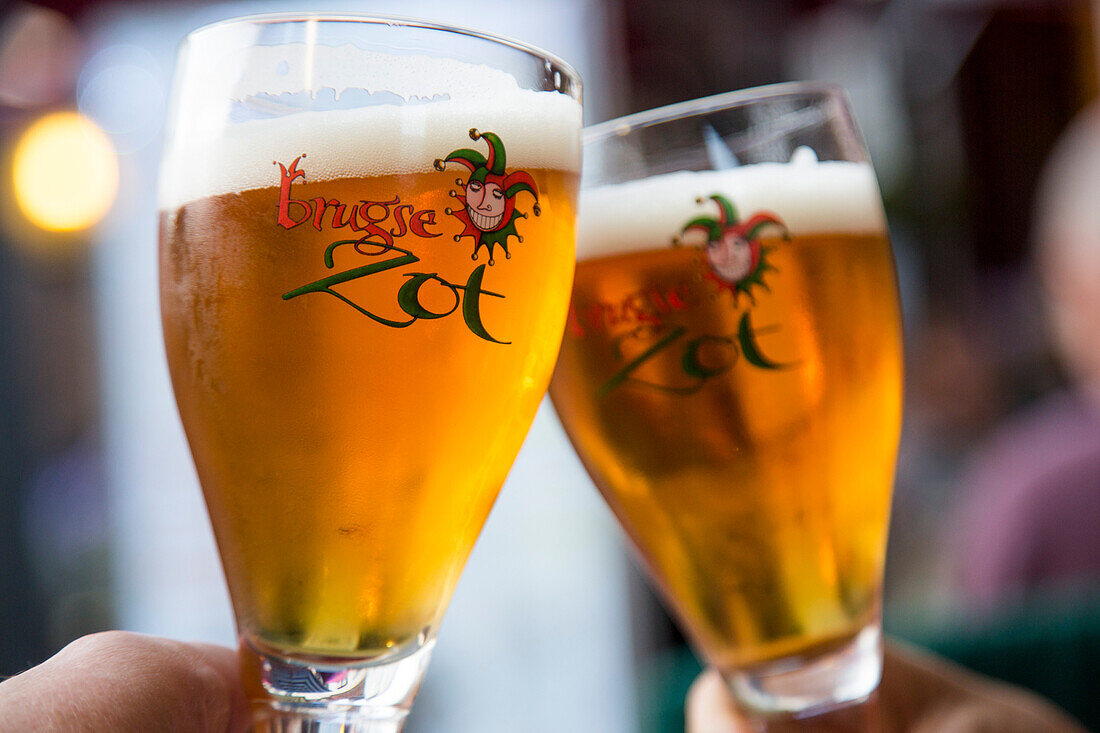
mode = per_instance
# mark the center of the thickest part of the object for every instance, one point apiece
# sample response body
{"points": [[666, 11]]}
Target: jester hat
{"points": [[728, 222]]}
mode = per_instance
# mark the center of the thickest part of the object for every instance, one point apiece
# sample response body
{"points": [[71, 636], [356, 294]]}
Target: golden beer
{"points": [[348, 462], [743, 432], [367, 235]]}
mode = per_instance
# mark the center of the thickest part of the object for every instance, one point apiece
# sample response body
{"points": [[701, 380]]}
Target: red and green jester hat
{"points": [[488, 212], [737, 260]]}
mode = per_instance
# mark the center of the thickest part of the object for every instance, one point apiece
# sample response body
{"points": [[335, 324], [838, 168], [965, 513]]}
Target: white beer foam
{"points": [[810, 197], [206, 156]]}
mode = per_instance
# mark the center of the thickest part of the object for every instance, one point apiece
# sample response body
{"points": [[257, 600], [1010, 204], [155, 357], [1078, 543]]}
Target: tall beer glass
{"points": [[366, 252], [731, 378]]}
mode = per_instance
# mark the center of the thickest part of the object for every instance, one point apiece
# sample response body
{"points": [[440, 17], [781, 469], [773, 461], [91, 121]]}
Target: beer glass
{"points": [[366, 253], [731, 377]]}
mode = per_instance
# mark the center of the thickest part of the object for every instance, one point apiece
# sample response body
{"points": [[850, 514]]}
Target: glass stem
{"points": [[808, 687], [348, 696]]}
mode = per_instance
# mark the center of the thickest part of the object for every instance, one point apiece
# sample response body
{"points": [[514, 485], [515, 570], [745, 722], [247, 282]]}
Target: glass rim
{"points": [[387, 20], [620, 126]]}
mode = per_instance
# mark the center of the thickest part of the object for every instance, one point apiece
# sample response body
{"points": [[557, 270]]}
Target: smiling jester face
{"points": [[488, 198], [485, 204]]}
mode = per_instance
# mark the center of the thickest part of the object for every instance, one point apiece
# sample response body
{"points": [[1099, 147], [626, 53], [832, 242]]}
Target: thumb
{"points": [[710, 709]]}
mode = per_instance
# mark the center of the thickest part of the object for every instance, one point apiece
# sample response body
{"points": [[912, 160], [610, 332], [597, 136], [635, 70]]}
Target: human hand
{"points": [[919, 694], [119, 681]]}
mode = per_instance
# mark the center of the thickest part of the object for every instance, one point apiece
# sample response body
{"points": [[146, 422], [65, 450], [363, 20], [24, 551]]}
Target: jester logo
{"points": [[737, 260], [488, 198]]}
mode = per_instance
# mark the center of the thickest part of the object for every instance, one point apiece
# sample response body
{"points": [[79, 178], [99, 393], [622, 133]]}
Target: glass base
{"points": [[332, 695], [810, 685]]}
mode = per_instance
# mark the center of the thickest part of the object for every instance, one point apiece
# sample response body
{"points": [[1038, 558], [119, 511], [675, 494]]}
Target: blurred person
{"points": [[1030, 519], [120, 681], [919, 694], [1024, 537]]}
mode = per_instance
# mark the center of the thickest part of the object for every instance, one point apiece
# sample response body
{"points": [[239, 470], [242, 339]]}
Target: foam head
{"points": [[374, 114], [809, 196]]}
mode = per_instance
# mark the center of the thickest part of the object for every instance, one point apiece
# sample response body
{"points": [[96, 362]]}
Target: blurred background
{"points": [[978, 118]]}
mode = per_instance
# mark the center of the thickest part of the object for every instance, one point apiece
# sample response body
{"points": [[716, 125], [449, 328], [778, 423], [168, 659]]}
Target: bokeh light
{"points": [[65, 172]]}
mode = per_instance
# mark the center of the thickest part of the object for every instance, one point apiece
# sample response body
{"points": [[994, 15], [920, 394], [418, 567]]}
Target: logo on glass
{"points": [[488, 216], [656, 347], [737, 260]]}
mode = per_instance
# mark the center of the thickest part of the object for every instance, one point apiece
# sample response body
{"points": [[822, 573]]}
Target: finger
{"points": [[129, 682], [710, 709], [928, 694]]}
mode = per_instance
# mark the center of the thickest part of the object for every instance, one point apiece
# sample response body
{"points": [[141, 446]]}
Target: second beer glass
{"points": [[731, 377]]}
